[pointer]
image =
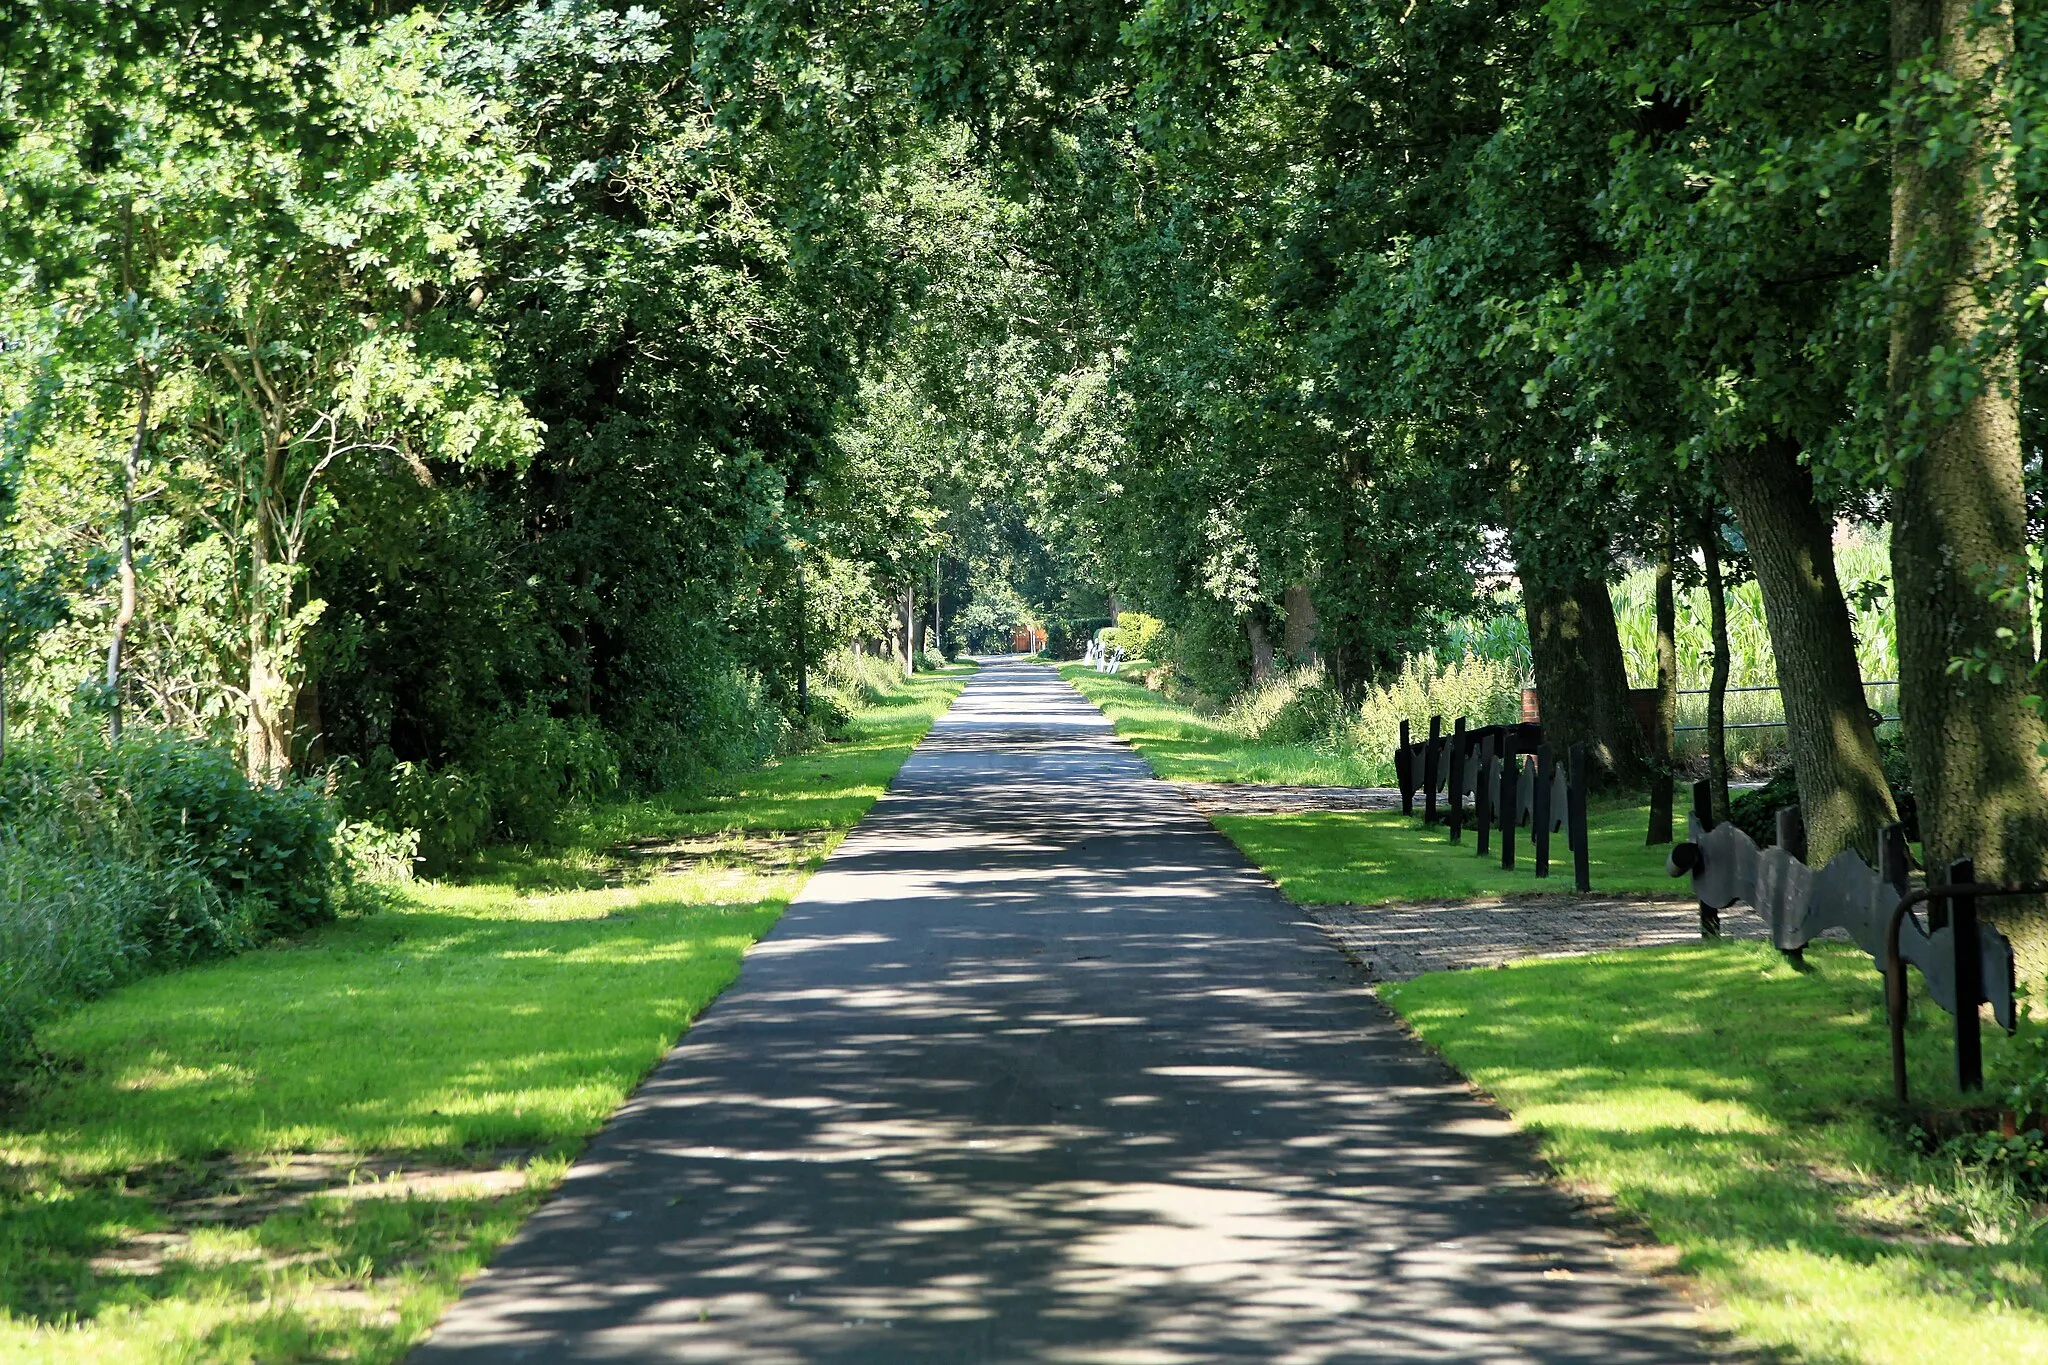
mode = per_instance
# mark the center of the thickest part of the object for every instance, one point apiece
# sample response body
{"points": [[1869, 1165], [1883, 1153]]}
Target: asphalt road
{"points": [[1038, 1069]]}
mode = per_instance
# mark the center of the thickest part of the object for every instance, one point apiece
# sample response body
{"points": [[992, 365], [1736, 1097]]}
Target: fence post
{"points": [[1575, 819], [1510, 806], [1458, 743], [1969, 978], [1432, 769], [1703, 811], [1792, 838], [1482, 797], [1404, 772], [1539, 808]]}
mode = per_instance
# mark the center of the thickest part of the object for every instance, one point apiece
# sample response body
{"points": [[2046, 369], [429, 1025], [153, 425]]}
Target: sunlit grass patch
{"points": [[300, 1153], [1373, 857], [1183, 746], [1737, 1108]]}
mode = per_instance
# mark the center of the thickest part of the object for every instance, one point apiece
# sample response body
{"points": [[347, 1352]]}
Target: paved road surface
{"points": [[1037, 1069]]}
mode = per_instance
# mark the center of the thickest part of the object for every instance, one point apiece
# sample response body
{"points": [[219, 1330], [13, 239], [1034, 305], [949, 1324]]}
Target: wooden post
{"points": [[1969, 978], [1540, 817], [1791, 838], [1575, 819], [1432, 769], [1404, 772], [1482, 798], [1458, 743], [1509, 807]]}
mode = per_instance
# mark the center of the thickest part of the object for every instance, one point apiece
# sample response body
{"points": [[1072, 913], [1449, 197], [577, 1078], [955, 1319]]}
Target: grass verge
{"points": [[1736, 1108], [300, 1153], [1357, 857], [1186, 746], [1374, 857]]}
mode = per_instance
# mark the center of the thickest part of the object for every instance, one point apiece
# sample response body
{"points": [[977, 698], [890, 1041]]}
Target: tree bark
{"points": [[125, 616], [1843, 795], [1298, 631], [1581, 677], [909, 628], [1959, 524], [1663, 766], [1717, 677], [273, 690], [1262, 649]]}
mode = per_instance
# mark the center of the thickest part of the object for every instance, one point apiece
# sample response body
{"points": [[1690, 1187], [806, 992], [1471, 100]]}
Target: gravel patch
{"points": [[1397, 942]]}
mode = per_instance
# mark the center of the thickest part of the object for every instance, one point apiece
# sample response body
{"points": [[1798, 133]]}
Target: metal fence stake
{"points": [[1509, 806], [1969, 975], [1458, 744], [1575, 819], [1432, 769]]}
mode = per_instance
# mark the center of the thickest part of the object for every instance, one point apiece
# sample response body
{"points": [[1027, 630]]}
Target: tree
{"points": [[1959, 537]]}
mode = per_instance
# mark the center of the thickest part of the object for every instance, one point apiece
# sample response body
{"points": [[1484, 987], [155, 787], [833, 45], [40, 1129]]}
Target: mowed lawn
{"points": [[1362, 857], [300, 1153], [1739, 1110]]}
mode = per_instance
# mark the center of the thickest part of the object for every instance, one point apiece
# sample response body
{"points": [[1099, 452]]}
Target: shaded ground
{"points": [[1399, 942], [1038, 1068]]}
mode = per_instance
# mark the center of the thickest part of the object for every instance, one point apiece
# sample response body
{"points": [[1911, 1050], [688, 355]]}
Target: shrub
{"points": [[146, 853], [1207, 653], [931, 661], [1484, 691], [1297, 707], [535, 766], [1136, 634], [857, 680]]}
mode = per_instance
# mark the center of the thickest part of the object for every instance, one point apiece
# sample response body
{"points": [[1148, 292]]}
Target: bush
{"points": [[1298, 707], [529, 770], [1484, 691], [857, 680], [147, 853], [931, 661], [1136, 634], [1207, 653], [535, 766]]}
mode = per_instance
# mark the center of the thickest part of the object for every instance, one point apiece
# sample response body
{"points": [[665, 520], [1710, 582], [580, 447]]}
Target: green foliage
{"points": [[143, 855], [1135, 633]]}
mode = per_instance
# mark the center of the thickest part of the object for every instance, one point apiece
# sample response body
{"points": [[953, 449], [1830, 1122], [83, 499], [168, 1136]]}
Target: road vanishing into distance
{"points": [[1038, 1068]]}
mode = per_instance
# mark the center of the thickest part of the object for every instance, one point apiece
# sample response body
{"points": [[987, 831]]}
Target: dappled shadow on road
{"points": [[1039, 1069]]}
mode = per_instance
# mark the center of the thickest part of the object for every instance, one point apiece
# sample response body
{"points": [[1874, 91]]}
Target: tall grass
{"points": [[1301, 707]]}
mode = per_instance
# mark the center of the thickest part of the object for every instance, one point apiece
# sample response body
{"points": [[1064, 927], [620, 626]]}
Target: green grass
{"points": [[1373, 857], [1357, 857], [1736, 1108], [185, 1178], [1184, 746]]}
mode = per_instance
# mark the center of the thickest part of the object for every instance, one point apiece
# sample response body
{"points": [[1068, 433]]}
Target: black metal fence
{"points": [[1512, 779]]}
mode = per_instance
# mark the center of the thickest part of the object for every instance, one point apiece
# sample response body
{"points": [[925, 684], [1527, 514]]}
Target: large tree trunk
{"points": [[1717, 677], [1581, 677], [1959, 521], [1298, 632], [1843, 796], [1663, 765]]}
